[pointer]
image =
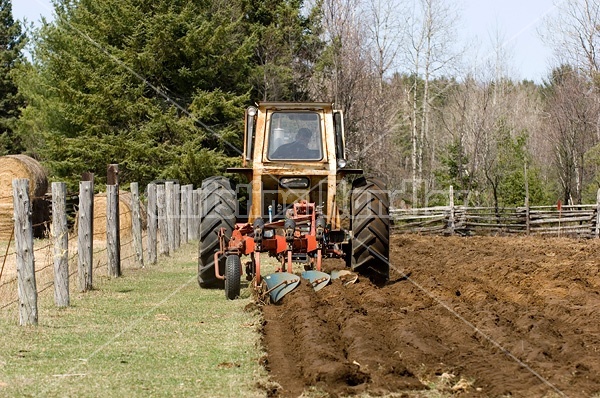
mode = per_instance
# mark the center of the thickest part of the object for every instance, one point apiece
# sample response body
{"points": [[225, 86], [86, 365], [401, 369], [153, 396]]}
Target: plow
{"points": [[294, 159]]}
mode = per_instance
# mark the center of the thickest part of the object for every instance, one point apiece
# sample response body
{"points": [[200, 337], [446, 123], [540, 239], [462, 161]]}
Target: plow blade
{"points": [[280, 283], [345, 276], [317, 279]]}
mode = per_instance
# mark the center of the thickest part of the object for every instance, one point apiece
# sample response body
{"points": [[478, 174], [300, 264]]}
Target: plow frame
{"points": [[303, 231]]}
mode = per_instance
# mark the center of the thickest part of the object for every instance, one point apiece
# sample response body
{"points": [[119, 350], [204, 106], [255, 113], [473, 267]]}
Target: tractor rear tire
{"points": [[233, 273], [218, 204], [370, 222]]}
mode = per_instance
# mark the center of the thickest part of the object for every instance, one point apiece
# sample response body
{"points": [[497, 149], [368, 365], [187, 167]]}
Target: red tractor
{"points": [[294, 160]]}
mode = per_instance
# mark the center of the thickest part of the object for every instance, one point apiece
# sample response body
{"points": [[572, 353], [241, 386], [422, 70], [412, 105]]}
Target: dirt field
{"points": [[478, 316]]}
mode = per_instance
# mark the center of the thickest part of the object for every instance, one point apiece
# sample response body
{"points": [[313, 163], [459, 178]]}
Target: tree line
{"points": [[160, 87]]}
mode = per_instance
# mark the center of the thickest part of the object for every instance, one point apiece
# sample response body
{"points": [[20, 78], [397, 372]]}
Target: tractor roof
{"points": [[295, 105]]}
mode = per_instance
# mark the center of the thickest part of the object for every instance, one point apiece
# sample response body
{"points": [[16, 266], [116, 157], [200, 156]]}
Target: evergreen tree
{"points": [[12, 41], [159, 87], [287, 48], [453, 170], [513, 159]]}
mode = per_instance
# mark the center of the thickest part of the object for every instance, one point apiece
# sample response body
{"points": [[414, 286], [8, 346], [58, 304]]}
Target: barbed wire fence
{"points": [[139, 234]]}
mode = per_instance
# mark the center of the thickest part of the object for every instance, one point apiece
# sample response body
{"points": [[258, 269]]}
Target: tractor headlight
{"points": [[341, 163], [294, 182], [252, 111]]}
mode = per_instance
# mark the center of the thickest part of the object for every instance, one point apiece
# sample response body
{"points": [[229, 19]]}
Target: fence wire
{"points": [[44, 253]]}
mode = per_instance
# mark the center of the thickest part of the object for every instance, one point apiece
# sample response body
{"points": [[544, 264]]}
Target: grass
{"points": [[151, 332]]}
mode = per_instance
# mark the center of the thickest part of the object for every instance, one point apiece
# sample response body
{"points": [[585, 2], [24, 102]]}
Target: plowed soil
{"points": [[476, 316]]}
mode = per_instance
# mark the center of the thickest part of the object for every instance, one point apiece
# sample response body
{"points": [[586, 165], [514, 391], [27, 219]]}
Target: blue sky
{"points": [[517, 21], [31, 9]]}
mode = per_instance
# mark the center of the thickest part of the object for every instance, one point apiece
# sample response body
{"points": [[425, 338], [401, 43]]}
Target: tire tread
{"points": [[370, 229], [217, 211]]}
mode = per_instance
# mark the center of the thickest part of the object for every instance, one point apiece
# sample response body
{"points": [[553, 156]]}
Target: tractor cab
{"points": [[292, 152]]}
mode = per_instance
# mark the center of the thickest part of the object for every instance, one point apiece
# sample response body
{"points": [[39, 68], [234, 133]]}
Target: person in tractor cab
{"points": [[297, 149]]}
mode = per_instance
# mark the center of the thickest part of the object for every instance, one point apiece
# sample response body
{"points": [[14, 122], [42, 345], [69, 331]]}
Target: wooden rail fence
{"points": [[561, 220]]}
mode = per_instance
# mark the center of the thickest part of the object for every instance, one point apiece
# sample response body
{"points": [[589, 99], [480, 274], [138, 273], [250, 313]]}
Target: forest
{"points": [[160, 88]]}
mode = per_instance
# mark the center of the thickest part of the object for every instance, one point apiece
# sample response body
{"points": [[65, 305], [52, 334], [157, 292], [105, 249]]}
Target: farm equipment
{"points": [[294, 159]]}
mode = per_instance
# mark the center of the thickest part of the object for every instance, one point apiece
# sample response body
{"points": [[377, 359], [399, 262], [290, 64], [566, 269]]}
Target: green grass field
{"points": [[151, 332]]}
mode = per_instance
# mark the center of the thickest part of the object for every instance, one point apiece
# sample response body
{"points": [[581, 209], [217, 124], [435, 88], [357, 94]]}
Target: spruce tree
{"points": [[287, 47], [12, 41], [159, 87]]}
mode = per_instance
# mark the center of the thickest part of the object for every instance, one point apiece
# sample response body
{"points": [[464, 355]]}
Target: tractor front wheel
{"points": [[370, 244], [233, 270]]}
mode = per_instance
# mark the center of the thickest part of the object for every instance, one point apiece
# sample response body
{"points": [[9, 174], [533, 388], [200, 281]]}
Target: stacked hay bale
{"points": [[100, 215], [22, 166]]}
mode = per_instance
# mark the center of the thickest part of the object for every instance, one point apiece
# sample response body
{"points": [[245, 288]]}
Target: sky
{"points": [[515, 21], [32, 9], [518, 23]]}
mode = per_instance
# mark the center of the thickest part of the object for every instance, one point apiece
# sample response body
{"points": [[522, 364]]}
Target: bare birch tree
{"points": [[386, 27], [571, 122], [572, 31], [363, 46], [572, 95], [429, 52]]}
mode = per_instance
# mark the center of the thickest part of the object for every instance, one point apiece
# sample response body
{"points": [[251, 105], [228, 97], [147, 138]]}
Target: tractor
{"points": [[294, 159]]}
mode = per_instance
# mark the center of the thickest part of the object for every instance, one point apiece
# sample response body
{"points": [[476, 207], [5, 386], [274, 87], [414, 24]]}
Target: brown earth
{"points": [[477, 316]]}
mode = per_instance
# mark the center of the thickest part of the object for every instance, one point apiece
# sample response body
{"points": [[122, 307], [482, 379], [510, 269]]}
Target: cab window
{"points": [[295, 136]]}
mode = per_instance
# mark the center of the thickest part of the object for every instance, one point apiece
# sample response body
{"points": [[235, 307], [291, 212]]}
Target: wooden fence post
{"points": [[527, 210], [190, 213], [597, 231], [136, 224], [112, 174], [85, 233], [170, 208], [152, 224], [60, 234], [183, 220], [451, 220], [113, 245], [113, 224], [197, 211], [163, 222], [527, 216], [177, 215], [28, 312]]}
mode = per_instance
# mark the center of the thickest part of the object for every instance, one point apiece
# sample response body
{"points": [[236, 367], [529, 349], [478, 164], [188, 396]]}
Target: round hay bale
{"points": [[22, 166], [6, 220], [100, 215]]}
